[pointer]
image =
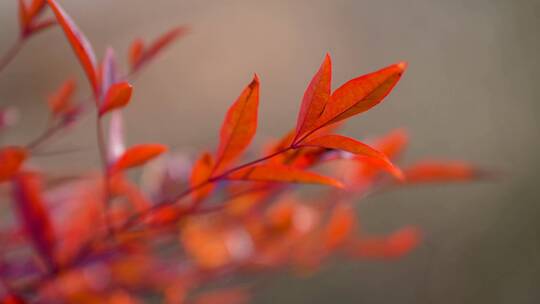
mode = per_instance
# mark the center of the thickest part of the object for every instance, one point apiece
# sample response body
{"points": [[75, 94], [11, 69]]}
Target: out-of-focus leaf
{"points": [[136, 52], [79, 43], [139, 55], [340, 226], [279, 173], [11, 160], [24, 16], [442, 171], [396, 245], [239, 126], [138, 155], [393, 143], [36, 8], [61, 101], [118, 96], [205, 244], [33, 215]]}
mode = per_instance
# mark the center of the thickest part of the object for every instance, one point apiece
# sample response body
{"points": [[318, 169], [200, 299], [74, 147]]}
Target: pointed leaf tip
{"points": [[315, 99], [361, 94], [117, 96], [239, 126], [403, 65]]}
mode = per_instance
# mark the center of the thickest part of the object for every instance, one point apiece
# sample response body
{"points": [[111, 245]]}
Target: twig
{"points": [[11, 53]]}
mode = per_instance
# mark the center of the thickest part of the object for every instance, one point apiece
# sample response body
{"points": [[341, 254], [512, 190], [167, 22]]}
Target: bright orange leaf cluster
{"points": [[114, 238]]}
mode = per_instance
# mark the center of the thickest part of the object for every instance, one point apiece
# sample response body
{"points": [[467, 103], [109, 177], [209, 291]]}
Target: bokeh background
{"points": [[472, 92]]}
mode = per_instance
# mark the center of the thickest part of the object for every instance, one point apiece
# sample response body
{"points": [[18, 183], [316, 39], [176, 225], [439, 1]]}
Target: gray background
{"points": [[471, 92]]}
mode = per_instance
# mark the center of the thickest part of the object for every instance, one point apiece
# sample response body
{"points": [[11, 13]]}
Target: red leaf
{"points": [[315, 98], [361, 94], [442, 171], [239, 126], [140, 56], [60, 101], [118, 96], [393, 143], [136, 52], [11, 160], [279, 173], [79, 43], [36, 8], [24, 16], [396, 245], [138, 155], [353, 146], [201, 172], [33, 215], [339, 227]]}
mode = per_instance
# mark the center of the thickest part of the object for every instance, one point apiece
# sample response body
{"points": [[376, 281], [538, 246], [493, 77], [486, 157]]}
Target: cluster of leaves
{"points": [[102, 239]]}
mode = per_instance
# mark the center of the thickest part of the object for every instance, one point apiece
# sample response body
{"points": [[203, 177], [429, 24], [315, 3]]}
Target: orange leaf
{"points": [[11, 159], [353, 146], [441, 171], [239, 126], [24, 16], [361, 94], [79, 43], [138, 155], [205, 242], [60, 101], [136, 52], [118, 96], [36, 8], [200, 174], [340, 226], [278, 173], [393, 143], [159, 44], [315, 98], [33, 214], [396, 245]]}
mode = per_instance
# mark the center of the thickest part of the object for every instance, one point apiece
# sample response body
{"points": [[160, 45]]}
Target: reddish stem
{"points": [[105, 168], [51, 130], [11, 53]]}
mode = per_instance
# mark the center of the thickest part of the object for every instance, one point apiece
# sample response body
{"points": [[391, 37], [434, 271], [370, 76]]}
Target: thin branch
{"points": [[105, 168], [11, 53]]}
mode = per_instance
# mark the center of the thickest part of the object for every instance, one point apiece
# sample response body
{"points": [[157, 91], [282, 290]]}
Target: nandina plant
{"points": [[99, 238]]}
